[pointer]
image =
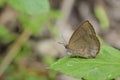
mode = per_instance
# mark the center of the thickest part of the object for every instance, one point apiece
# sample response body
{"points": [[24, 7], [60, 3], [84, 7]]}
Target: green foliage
{"points": [[104, 67], [5, 35], [34, 24], [2, 2], [34, 77], [102, 17], [25, 51], [37, 9], [11, 69], [32, 15], [48, 60], [53, 30], [28, 76], [30, 7], [51, 27], [55, 14]]}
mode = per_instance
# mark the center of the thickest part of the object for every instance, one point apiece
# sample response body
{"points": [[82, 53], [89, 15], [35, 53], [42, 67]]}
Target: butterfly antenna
{"points": [[64, 41]]}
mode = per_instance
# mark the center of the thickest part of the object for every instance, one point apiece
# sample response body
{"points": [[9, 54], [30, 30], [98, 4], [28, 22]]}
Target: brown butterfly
{"points": [[84, 42]]}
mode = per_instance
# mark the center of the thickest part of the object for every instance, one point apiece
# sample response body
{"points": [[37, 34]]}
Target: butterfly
{"points": [[84, 42]]}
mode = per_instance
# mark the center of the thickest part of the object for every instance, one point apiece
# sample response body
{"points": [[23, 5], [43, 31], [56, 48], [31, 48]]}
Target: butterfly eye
{"points": [[66, 46]]}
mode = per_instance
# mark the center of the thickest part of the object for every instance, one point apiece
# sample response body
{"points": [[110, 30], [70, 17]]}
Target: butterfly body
{"points": [[84, 42]]}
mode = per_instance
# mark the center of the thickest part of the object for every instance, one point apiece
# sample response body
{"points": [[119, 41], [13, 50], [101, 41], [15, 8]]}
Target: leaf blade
{"points": [[103, 67]]}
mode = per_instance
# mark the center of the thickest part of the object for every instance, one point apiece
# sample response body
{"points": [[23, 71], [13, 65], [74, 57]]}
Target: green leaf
{"points": [[31, 7], [34, 23], [5, 35], [102, 17], [104, 67], [48, 60], [32, 76], [55, 14], [24, 52], [2, 2], [53, 30]]}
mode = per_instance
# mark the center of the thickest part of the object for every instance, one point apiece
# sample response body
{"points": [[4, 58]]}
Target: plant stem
{"points": [[12, 50]]}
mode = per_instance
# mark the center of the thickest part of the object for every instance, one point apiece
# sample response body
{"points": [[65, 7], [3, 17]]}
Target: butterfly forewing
{"points": [[84, 42]]}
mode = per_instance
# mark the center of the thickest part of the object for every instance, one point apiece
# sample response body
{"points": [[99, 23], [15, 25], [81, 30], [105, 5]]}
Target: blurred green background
{"points": [[31, 29]]}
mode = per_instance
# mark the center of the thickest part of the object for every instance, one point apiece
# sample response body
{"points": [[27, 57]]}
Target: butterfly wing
{"points": [[84, 42]]}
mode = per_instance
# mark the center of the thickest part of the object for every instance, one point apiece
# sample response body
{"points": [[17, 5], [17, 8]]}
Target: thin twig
{"points": [[12, 51]]}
